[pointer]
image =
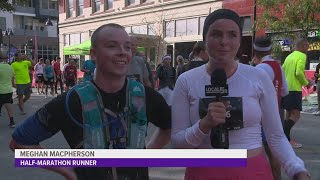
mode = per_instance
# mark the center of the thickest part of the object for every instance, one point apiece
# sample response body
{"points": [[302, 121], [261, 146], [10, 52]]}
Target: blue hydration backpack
{"points": [[96, 130]]}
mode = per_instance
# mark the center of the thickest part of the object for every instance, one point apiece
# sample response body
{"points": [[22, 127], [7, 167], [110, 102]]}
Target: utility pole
{"points": [[254, 25]]}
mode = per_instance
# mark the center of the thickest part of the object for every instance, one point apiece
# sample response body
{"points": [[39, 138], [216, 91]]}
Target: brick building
{"points": [[162, 26]]}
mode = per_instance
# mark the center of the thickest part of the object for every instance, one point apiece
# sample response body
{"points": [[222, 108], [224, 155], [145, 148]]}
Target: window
{"points": [[109, 4], [202, 19], [139, 29], [44, 4], [53, 4], [28, 23], [75, 39], [66, 40], [18, 22], [26, 3], [96, 6], [3, 24], [128, 29], [169, 28], [82, 39], [152, 30], [181, 28], [80, 8], [70, 8], [130, 2], [47, 52], [145, 1], [192, 26], [246, 22]]}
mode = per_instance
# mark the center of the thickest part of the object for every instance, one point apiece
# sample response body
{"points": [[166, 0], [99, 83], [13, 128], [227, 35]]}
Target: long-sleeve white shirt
{"points": [[260, 107]]}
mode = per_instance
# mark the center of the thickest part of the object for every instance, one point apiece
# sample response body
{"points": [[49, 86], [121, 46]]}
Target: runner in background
{"points": [[39, 70], [70, 74], [88, 68], [137, 69], [262, 49], [21, 70], [6, 85], [294, 69], [49, 77], [57, 71], [167, 78]]}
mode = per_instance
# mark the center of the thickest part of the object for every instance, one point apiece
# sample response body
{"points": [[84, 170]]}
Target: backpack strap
{"points": [[137, 122], [277, 81], [92, 115]]}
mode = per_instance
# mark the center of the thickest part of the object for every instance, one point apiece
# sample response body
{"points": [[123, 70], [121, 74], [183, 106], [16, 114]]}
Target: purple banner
{"points": [[130, 162]]}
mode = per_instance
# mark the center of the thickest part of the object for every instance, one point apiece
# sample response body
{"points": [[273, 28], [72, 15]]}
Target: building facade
{"points": [[27, 23], [161, 26]]}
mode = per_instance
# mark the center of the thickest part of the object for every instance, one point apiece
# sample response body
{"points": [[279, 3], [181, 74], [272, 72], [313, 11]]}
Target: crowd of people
{"points": [[116, 72]]}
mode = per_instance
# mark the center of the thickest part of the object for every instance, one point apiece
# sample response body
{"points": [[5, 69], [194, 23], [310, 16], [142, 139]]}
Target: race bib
{"points": [[234, 116]]}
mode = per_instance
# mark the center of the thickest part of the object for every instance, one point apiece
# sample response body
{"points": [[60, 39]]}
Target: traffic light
{"points": [[29, 44]]}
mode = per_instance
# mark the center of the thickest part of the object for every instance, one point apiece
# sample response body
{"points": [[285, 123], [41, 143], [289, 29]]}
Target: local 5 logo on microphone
{"points": [[211, 90]]}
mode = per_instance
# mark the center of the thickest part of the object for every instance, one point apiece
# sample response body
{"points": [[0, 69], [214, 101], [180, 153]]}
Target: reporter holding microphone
{"points": [[249, 104]]}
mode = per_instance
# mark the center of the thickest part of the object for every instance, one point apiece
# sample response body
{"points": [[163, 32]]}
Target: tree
{"points": [[156, 25], [289, 16], [5, 5]]}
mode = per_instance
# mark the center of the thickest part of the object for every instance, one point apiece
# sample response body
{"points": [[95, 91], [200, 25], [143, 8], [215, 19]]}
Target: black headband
{"points": [[221, 14]]}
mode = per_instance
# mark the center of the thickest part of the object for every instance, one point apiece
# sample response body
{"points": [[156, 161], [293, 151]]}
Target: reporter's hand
{"points": [[302, 176], [216, 115]]}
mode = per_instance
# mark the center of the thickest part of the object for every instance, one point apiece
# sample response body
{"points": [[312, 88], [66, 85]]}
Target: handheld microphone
{"points": [[219, 135]]}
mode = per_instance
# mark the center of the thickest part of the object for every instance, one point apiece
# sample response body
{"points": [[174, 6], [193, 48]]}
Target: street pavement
{"points": [[306, 131]]}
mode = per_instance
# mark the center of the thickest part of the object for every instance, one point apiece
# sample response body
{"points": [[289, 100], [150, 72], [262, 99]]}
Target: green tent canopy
{"points": [[84, 49], [141, 49], [79, 49]]}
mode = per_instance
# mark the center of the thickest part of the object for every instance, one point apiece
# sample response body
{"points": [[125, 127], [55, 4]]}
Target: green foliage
{"points": [[6, 6], [289, 16]]}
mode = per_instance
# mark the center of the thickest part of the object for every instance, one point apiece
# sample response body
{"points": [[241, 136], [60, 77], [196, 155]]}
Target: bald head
{"points": [[302, 45], [97, 32]]}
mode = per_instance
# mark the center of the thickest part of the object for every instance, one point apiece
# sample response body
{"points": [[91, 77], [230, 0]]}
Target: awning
{"points": [[84, 49], [79, 49]]}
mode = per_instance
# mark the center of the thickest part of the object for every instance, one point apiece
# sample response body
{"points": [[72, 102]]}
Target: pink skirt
{"points": [[257, 168]]}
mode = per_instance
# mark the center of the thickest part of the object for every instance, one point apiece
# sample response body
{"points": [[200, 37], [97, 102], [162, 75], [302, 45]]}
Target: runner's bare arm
{"points": [[13, 81]]}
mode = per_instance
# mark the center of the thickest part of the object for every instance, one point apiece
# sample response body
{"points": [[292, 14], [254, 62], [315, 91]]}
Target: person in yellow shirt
{"points": [[6, 84], [21, 68], [294, 67]]}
